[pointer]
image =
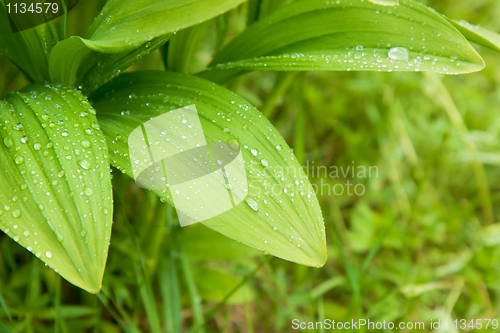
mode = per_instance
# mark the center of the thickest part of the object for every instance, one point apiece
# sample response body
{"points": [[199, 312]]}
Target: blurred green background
{"points": [[421, 243]]}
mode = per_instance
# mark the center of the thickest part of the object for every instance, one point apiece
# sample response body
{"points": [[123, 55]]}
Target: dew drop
{"points": [[37, 146], [254, 152], [16, 213], [19, 160], [233, 144], [85, 144], [7, 142], [84, 164], [252, 204], [60, 237], [48, 254], [88, 191], [399, 53]]}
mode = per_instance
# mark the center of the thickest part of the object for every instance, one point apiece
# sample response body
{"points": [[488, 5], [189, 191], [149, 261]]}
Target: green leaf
{"points": [[123, 26], [28, 49], [56, 198], [363, 35], [478, 34], [286, 223], [90, 69]]}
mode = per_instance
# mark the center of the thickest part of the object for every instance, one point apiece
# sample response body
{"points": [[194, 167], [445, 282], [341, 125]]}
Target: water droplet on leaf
{"points": [[399, 53]]}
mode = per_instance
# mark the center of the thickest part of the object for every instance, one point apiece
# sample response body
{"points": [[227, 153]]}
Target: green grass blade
{"points": [[326, 286], [352, 275], [62, 21], [59, 320], [444, 98], [55, 171], [199, 319], [146, 290], [374, 250], [212, 312], [4, 307], [4, 329], [126, 323], [287, 222], [171, 295], [250, 275]]}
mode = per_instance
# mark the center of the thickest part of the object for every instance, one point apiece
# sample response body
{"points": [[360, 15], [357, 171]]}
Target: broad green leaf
{"points": [[365, 35], [478, 34], [286, 223], [55, 197], [126, 25], [28, 49]]}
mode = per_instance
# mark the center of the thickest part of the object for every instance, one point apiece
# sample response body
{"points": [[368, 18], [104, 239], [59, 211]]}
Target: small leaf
{"points": [[348, 35], [56, 190], [28, 49], [123, 26], [286, 223], [478, 34]]}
